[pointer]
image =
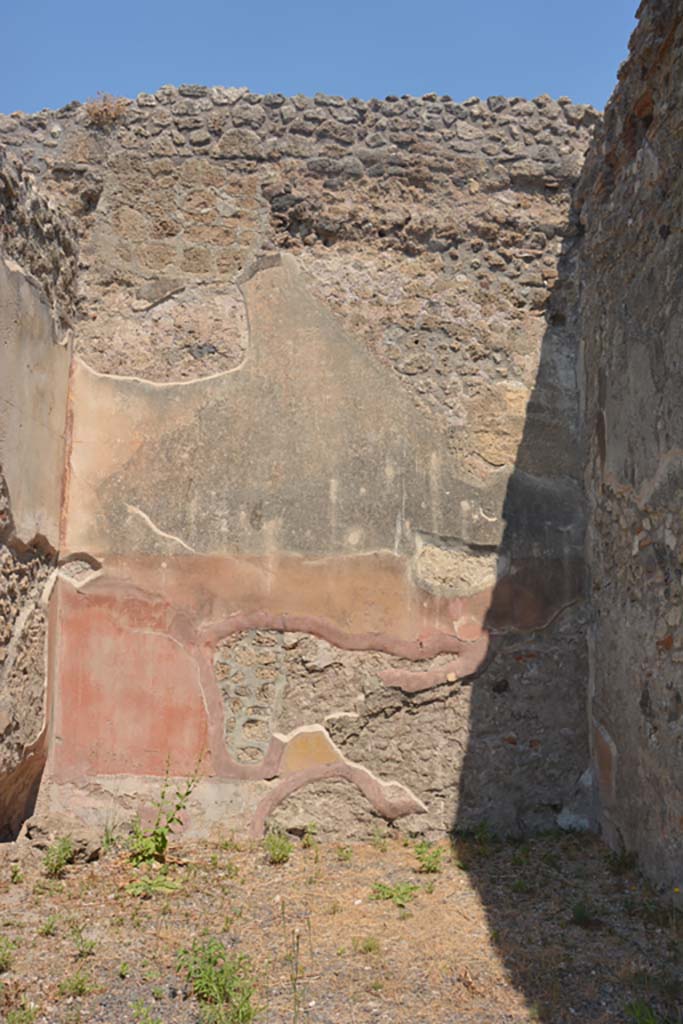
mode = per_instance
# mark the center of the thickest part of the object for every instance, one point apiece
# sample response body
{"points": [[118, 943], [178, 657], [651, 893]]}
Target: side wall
{"points": [[632, 324], [34, 371]]}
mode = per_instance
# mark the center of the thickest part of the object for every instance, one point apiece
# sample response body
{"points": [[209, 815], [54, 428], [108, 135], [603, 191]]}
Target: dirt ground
{"points": [[552, 930]]}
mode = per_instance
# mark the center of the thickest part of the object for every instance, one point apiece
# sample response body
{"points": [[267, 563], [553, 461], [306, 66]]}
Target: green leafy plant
{"points": [[84, 947], [278, 847], [7, 948], [584, 915], [49, 927], [58, 856], [221, 982], [640, 1013], [369, 944], [400, 894], [77, 985], [27, 1013], [151, 885], [16, 875], [309, 840], [108, 838], [379, 840], [149, 845], [143, 1015], [344, 854], [124, 969], [429, 857]]}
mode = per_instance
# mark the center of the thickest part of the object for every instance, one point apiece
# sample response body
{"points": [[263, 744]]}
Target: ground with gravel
{"points": [[555, 929]]}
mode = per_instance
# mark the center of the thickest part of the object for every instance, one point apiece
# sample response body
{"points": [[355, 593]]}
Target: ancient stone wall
{"points": [[37, 274], [323, 513], [631, 322]]}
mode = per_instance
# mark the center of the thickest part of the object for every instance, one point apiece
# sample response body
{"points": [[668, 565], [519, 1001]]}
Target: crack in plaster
{"points": [[157, 530]]}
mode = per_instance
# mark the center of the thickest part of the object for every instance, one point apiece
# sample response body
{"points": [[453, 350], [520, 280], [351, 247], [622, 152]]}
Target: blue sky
{"points": [[58, 50]]}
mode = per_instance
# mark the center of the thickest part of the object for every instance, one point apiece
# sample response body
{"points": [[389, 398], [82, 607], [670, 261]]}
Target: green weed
{"points": [[369, 944], [49, 928], [583, 915], [429, 857], [84, 947], [151, 885], [78, 984], [58, 856], [142, 1015], [309, 840], [27, 1013], [221, 982], [151, 844], [640, 1013], [7, 948], [400, 894], [278, 848]]}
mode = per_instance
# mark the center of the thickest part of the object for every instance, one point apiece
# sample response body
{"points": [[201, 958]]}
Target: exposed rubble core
{"points": [[37, 298]]}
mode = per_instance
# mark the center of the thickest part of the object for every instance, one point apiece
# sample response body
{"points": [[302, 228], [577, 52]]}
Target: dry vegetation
{"points": [[292, 930], [105, 110]]}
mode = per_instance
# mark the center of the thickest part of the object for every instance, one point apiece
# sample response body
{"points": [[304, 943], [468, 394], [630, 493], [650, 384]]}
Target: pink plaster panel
{"points": [[127, 694]]}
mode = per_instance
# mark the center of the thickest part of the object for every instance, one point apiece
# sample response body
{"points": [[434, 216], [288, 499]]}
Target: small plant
{"points": [[58, 856], [521, 856], [640, 1013], [584, 915], [429, 857], [47, 887], [521, 886], [309, 837], [77, 985], [49, 927], [7, 948], [221, 982], [124, 970], [293, 958], [84, 947], [278, 848], [16, 875], [622, 862], [344, 854], [108, 839], [151, 885], [27, 1013], [369, 944], [152, 844], [400, 894], [105, 110], [379, 840], [142, 1015]]}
